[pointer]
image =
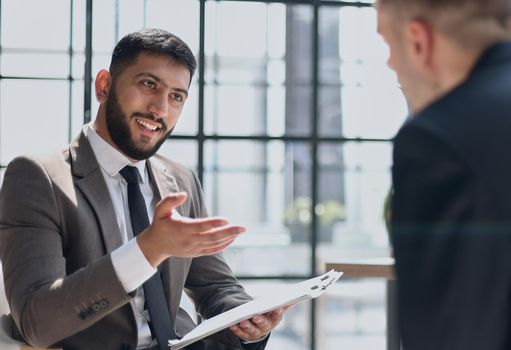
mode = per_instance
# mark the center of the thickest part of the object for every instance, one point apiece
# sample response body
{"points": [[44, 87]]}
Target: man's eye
{"points": [[176, 97], [149, 84]]}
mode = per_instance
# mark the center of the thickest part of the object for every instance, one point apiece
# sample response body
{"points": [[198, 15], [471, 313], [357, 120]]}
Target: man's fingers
{"points": [[219, 239], [262, 323], [277, 314], [248, 330], [166, 205], [240, 333], [217, 234], [216, 249], [201, 225]]}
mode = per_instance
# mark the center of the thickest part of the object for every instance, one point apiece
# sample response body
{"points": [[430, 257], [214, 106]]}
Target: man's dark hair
{"points": [[155, 41]]}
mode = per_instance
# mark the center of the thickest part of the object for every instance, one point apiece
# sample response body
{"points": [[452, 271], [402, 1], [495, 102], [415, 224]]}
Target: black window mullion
{"points": [[315, 167], [70, 75], [1, 79], [88, 64], [202, 62]]}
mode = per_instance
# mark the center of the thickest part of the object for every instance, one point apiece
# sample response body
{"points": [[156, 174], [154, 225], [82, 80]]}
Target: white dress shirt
{"points": [[129, 262]]}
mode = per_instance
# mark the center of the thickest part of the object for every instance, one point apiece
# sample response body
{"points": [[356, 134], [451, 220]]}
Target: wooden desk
{"points": [[375, 268], [366, 268]]}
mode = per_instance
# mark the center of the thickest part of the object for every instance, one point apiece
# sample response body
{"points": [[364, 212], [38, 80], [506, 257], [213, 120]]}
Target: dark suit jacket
{"points": [[58, 227], [451, 214]]}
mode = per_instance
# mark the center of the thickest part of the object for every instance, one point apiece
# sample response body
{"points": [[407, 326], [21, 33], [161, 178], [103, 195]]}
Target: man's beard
{"points": [[118, 127]]}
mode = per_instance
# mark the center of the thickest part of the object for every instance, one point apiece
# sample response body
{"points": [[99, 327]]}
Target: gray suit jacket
{"points": [[57, 230]]}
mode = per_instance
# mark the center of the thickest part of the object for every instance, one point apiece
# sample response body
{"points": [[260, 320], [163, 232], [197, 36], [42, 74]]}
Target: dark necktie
{"points": [[160, 323]]}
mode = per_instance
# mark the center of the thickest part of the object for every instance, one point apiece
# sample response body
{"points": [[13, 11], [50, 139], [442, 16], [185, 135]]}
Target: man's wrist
{"points": [[131, 266], [246, 342], [147, 247]]}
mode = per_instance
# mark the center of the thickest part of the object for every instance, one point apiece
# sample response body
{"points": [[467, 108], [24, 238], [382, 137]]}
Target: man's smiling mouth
{"points": [[148, 125]]}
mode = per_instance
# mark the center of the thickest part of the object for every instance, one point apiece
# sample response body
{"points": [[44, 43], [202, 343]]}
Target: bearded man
{"points": [[84, 266]]}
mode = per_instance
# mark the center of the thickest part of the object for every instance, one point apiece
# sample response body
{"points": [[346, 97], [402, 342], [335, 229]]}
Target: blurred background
{"points": [[288, 125]]}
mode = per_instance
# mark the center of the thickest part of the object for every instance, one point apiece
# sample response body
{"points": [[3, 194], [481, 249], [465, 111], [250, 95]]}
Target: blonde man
{"points": [[451, 209]]}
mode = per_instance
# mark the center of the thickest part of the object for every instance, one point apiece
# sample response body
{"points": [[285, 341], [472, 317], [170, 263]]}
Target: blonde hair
{"points": [[473, 24]]}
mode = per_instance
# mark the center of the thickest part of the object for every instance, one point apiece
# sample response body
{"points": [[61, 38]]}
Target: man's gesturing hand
{"points": [[173, 235]]}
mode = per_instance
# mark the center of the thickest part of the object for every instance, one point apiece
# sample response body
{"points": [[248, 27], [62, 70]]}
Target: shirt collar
{"points": [[109, 158]]}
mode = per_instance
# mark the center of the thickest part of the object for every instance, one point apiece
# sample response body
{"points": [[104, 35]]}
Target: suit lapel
{"points": [[165, 184], [90, 181], [164, 181]]}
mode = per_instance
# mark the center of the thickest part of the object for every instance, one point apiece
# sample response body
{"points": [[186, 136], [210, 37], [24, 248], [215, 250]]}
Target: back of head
{"points": [[154, 41], [474, 24]]}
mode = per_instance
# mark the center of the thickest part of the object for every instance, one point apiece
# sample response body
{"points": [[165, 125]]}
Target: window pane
{"points": [[255, 110], [276, 109], [103, 33], [40, 125], [35, 65], [181, 151], [79, 66], [360, 20], [35, 24], [2, 171], [232, 110], [180, 17], [359, 95], [338, 45], [188, 121], [77, 109], [352, 316], [372, 112], [256, 71], [253, 88], [265, 187], [128, 17], [354, 181], [294, 330], [361, 111], [114, 19], [233, 26], [100, 61], [79, 25]]}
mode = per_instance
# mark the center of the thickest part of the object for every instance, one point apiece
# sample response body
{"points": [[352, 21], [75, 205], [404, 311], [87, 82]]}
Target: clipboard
{"points": [[283, 295]]}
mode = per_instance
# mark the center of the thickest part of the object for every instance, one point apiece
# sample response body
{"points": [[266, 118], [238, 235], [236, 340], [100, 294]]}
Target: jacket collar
{"points": [[165, 182], [90, 181], [496, 54]]}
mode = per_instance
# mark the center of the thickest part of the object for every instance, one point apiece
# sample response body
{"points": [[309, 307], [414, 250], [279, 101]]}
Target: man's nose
{"points": [[158, 105]]}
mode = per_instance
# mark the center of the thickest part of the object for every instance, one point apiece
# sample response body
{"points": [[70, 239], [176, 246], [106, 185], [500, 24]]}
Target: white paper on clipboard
{"points": [[283, 295]]}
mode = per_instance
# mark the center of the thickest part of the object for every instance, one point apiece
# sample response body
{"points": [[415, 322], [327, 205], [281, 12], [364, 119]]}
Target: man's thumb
{"points": [[166, 205]]}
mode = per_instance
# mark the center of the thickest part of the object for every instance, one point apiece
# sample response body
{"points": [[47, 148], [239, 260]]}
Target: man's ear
{"points": [[421, 43], [102, 85]]}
